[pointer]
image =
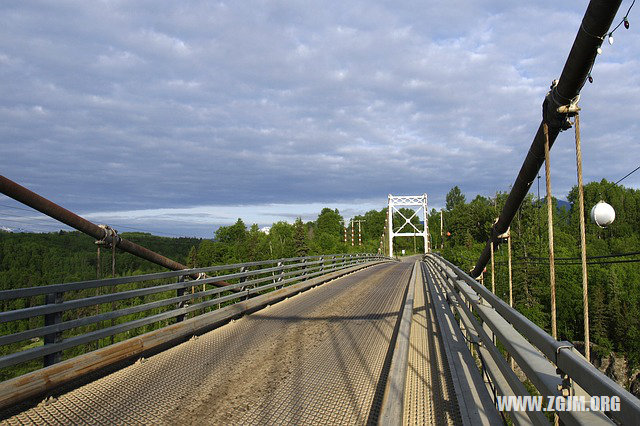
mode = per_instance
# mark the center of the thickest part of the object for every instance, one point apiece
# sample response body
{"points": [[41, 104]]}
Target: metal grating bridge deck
{"points": [[320, 357]]}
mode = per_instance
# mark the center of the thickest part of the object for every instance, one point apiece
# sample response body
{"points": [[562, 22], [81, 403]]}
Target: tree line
{"points": [[325, 235]]}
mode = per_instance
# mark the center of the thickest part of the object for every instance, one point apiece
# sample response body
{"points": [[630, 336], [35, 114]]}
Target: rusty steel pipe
{"points": [[51, 209], [595, 25]]}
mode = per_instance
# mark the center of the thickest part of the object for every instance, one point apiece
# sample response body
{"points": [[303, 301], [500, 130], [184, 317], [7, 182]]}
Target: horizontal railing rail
{"points": [[108, 282], [43, 322], [554, 367]]}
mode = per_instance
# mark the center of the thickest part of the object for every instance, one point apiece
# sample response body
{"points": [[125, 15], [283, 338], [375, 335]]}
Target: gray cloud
{"points": [[118, 106]]}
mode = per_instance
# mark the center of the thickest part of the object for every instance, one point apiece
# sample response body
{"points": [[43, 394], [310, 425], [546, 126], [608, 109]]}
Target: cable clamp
{"points": [[108, 232], [556, 109], [569, 109], [566, 105]]}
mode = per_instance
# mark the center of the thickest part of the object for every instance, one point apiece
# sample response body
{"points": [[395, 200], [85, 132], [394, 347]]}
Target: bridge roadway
{"points": [[321, 356]]}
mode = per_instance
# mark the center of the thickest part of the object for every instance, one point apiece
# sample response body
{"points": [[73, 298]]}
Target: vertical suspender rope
{"points": [[552, 266], [98, 276], [352, 234], [113, 255], [511, 362], [552, 269], [98, 265], [441, 230], [114, 242], [510, 273], [415, 250], [493, 272], [583, 241]]}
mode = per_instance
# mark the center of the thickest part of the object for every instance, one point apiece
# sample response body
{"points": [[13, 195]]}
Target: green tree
{"points": [[454, 198], [233, 234], [281, 240], [329, 222], [257, 244], [300, 244], [192, 257]]}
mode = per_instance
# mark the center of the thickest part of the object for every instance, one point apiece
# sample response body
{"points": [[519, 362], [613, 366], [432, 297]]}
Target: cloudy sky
{"points": [[177, 117]]}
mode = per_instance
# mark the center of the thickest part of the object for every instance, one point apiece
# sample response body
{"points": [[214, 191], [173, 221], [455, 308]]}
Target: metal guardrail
{"points": [[553, 367], [67, 316]]}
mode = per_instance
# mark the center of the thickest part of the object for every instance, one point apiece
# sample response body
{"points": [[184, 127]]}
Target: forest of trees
{"points": [[30, 259], [614, 282]]}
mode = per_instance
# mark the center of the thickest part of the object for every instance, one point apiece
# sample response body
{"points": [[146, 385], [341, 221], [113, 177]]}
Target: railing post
{"points": [[179, 293], [281, 275], [243, 279], [51, 319]]}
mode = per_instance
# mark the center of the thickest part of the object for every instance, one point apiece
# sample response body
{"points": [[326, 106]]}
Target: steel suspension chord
{"points": [[558, 103]]}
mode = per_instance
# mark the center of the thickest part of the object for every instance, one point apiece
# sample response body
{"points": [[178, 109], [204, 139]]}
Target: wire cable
{"points": [[627, 175], [624, 19], [635, 253], [598, 262]]}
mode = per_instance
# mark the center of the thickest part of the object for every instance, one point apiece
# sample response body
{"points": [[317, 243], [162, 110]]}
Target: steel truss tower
{"points": [[419, 201]]}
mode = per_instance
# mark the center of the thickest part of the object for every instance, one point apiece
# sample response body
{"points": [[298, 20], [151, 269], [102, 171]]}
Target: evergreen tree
{"points": [[300, 244]]}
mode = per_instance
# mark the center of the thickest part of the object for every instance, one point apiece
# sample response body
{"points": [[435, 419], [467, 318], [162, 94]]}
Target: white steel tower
{"points": [[419, 201]]}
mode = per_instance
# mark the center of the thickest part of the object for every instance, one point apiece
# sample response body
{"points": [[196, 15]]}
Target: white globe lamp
{"points": [[602, 214]]}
